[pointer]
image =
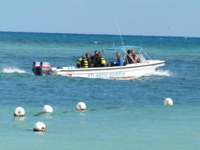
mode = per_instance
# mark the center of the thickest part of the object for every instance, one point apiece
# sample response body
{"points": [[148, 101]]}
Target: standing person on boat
{"points": [[95, 59], [89, 60], [120, 61]]}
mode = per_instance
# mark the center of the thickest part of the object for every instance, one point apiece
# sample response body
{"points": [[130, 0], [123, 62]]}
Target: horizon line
{"points": [[97, 34]]}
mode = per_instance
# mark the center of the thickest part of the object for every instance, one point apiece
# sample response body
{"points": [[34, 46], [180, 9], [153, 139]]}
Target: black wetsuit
{"points": [[128, 59], [90, 62], [95, 61]]}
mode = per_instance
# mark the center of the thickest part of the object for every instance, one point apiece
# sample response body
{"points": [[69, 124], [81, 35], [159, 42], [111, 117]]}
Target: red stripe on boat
{"points": [[37, 66], [46, 67], [70, 75]]}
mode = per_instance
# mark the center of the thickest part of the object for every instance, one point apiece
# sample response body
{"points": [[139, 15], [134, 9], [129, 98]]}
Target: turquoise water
{"points": [[121, 114]]}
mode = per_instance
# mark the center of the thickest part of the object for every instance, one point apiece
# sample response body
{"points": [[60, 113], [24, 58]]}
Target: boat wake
{"points": [[12, 70], [161, 73]]}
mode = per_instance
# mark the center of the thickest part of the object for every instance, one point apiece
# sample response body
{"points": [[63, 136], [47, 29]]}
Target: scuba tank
{"points": [[82, 62], [79, 62], [102, 62], [85, 63]]}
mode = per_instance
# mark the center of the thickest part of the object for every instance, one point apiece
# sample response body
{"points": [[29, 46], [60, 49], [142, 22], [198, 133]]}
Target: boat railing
{"points": [[141, 57]]}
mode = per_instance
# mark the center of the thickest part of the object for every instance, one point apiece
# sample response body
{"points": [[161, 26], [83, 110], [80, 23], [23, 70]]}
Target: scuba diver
{"points": [[89, 60], [95, 59], [101, 60], [82, 62]]}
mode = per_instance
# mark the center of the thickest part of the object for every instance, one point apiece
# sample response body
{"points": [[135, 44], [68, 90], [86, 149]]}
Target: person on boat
{"points": [[82, 62], [95, 59], [101, 60], [120, 61], [89, 60], [134, 56], [129, 58]]}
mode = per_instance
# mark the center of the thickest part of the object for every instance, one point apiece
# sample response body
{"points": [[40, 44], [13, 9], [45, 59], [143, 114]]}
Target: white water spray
{"points": [[13, 70]]}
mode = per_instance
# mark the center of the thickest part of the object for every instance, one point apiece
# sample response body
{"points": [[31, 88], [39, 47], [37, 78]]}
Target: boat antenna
{"points": [[123, 43], [120, 35]]}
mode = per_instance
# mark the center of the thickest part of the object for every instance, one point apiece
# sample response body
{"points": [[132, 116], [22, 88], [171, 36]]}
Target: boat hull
{"points": [[115, 72]]}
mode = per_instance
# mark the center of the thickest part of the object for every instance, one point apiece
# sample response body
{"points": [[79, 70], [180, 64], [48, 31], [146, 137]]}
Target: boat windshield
{"points": [[140, 52]]}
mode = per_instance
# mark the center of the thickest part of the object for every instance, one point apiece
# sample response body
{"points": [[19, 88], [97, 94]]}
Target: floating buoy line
{"points": [[41, 127]]}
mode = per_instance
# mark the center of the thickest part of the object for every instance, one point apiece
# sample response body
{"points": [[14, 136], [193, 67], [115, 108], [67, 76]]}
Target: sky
{"points": [[133, 17]]}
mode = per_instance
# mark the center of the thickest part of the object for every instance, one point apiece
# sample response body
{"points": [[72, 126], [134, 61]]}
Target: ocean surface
{"points": [[121, 114]]}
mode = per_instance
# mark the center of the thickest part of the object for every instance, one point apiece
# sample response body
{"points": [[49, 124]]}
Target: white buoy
{"points": [[47, 109], [39, 127], [81, 106], [19, 112], [168, 101]]}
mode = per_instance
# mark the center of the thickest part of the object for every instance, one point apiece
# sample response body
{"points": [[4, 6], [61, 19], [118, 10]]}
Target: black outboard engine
{"points": [[36, 68], [41, 68], [45, 68]]}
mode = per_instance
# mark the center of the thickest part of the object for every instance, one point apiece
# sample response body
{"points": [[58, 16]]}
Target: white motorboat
{"points": [[128, 71]]}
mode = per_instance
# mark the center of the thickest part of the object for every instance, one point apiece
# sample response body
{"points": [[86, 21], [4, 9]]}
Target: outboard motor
{"points": [[36, 68], [45, 68]]}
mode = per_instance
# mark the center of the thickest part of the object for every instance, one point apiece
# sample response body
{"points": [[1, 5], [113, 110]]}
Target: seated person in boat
{"points": [[129, 58], [120, 61], [95, 59], [89, 60], [98, 60], [134, 56], [101, 60], [84, 62]]}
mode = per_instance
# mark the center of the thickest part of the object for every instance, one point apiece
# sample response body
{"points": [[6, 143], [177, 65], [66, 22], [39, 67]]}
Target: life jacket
{"points": [[102, 61]]}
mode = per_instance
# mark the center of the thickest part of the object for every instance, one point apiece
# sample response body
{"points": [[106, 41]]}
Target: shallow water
{"points": [[121, 114]]}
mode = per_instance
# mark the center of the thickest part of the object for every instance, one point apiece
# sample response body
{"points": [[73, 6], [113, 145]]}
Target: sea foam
{"points": [[13, 70], [161, 73]]}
